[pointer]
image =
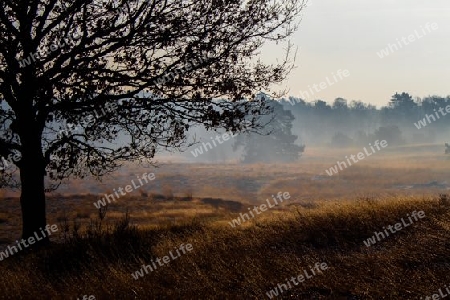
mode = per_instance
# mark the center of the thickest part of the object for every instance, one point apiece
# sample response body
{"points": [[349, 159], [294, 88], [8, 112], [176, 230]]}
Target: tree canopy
{"points": [[152, 67]]}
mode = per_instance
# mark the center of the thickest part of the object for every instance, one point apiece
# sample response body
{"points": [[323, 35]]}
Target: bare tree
{"points": [[130, 76]]}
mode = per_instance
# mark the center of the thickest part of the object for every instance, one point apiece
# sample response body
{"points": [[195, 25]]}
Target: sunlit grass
{"points": [[326, 219]]}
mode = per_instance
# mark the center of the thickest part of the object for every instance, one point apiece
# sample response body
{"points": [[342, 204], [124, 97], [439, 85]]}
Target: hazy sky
{"points": [[348, 34]]}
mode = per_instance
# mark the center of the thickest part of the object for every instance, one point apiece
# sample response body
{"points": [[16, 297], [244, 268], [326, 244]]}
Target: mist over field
{"points": [[224, 149], [329, 133]]}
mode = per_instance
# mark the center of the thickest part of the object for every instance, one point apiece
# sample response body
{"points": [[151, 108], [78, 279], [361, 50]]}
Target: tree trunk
{"points": [[32, 198]]}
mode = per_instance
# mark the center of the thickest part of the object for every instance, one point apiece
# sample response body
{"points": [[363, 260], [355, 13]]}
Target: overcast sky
{"points": [[348, 34]]}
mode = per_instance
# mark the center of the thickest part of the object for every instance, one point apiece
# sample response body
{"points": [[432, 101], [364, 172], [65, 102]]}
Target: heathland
{"points": [[325, 220]]}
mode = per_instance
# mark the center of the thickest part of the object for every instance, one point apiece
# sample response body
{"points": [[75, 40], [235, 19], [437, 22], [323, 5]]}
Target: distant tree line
{"points": [[296, 123], [274, 143], [405, 120]]}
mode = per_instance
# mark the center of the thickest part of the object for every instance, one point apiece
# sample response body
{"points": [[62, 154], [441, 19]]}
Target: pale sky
{"points": [[347, 34]]}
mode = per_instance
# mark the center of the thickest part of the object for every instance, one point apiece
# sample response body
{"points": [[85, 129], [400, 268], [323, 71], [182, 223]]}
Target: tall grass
{"points": [[247, 262]]}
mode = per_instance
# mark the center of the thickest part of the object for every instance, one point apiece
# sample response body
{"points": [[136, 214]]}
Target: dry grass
{"points": [[326, 220], [246, 262]]}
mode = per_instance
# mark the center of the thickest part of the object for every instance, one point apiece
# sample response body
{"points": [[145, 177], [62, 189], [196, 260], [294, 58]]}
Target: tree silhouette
{"points": [[130, 76], [403, 108], [402, 101], [275, 144], [391, 134]]}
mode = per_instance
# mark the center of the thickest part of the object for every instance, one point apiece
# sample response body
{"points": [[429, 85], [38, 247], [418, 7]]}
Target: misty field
{"points": [[293, 149], [327, 219]]}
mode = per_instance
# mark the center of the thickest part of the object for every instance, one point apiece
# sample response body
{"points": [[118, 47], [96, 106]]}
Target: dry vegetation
{"points": [[327, 220]]}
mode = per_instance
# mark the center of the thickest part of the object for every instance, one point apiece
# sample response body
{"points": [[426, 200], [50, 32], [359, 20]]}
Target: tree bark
{"points": [[32, 198]]}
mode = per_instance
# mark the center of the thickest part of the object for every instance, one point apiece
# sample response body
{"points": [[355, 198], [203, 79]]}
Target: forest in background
{"points": [[405, 120]]}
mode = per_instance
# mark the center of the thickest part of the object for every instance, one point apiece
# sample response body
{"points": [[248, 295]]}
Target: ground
{"points": [[326, 220]]}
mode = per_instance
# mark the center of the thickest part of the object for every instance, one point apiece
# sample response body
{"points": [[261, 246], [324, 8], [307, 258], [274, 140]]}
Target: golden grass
{"points": [[325, 220], [248, 261]]}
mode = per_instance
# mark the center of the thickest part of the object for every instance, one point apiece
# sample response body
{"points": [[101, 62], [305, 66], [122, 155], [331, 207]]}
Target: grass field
{"points": [[326, 220]]}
